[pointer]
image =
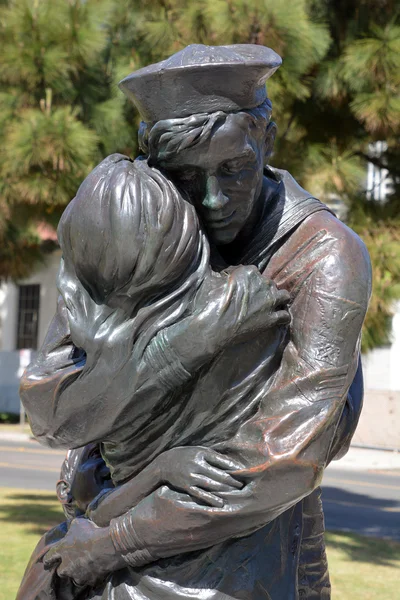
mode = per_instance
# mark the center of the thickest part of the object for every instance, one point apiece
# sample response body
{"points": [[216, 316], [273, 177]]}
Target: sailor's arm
{"points": [[64, 389], [347, 279]]}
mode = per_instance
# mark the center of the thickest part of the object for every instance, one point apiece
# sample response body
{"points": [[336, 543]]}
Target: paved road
{"points": [[27, 465], [366, 502]]}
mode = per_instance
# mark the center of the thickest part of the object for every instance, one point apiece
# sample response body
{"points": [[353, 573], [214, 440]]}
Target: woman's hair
{"points": [[128, 234], [167, 138]]}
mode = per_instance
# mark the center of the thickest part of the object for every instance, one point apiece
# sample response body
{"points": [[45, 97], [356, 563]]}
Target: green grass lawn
{"points": [[361, 568], [24, 517]]}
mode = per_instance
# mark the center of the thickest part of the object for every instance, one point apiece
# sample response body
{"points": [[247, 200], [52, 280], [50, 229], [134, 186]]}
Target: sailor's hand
{"points": [[261, 305], [201, 472], [246, 303], [86, 554]]}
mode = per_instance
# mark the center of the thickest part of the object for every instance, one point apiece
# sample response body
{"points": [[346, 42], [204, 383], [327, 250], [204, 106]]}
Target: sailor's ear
{"points": [[270, 135]]}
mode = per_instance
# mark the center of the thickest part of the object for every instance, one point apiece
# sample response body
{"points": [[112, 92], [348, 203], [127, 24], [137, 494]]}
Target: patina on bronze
{"points": [[203, 364]]}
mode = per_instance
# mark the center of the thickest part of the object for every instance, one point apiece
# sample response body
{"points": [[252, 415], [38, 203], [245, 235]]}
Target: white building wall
{"points": [[380, 418], [379, 183], [10, 367], [8, 316], [382, 365], [45, 276]]}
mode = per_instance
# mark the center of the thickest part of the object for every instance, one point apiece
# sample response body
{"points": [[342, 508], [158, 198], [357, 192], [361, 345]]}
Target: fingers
{"points": [[219, 460], [280, 317], [206, 497], [51, 559], [266, 291], [221, 480], [282, 298], [208, 484]]}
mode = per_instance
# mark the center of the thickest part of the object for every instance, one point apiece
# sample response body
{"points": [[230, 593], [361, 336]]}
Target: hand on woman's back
{"points": [[243, 304], [200, 472]]}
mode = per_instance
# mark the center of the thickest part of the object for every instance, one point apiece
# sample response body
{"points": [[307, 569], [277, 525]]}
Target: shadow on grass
{"points": [[32, 498], [357, 524], [38, 512], [357, 548]]}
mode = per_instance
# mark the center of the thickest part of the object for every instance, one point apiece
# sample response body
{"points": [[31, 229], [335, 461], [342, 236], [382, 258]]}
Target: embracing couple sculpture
{"points": [[204, 357]]}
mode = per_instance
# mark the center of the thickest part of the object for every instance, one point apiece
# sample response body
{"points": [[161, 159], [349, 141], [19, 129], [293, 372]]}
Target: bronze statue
{"points": [[204, 358]]}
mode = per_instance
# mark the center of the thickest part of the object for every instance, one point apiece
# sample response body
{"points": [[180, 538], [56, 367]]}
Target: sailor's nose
{"points": [[214, 198]]}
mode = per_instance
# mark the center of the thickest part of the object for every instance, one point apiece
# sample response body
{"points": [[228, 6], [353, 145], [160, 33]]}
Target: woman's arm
{"points": [[200, 472], [65, 387], [87, 552]]}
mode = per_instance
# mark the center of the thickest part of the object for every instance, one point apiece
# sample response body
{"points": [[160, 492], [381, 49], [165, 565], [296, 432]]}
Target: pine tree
{"points": [[55, 86], [357, 92]]}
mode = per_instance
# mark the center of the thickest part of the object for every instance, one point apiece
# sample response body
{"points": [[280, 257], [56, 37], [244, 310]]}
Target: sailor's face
{"points": [[223, 177]]}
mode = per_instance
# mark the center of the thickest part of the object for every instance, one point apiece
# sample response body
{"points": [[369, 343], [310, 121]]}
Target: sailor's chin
{"points": [[222, 236]]}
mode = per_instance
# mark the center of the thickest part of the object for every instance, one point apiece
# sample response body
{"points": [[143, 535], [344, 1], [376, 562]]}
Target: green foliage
{"points": [[379, 227], [20, 251], [25, 516], [9, 418], [362, 568], [59, 114], [332, 170], [376, 101], [49, 149], [335, 95]]}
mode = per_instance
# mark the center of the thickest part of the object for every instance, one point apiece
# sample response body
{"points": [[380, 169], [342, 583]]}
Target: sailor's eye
{"points": [[187, 174], [233, 166]]}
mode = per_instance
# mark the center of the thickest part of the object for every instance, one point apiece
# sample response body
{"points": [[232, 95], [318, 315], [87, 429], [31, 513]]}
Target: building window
{"points": [[379, 184], [28, 316]]}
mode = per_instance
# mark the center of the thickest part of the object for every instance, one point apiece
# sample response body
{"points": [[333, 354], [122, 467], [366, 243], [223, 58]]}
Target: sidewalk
{"points": [[360, 459], [16, 436]]}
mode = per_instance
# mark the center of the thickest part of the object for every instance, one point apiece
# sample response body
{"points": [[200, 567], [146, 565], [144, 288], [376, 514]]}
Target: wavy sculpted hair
{"points": [[166, 138], [129, 236]]}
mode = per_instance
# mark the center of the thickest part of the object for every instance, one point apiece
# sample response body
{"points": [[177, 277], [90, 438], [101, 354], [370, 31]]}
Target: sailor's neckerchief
{"points": [[283, 211]]}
